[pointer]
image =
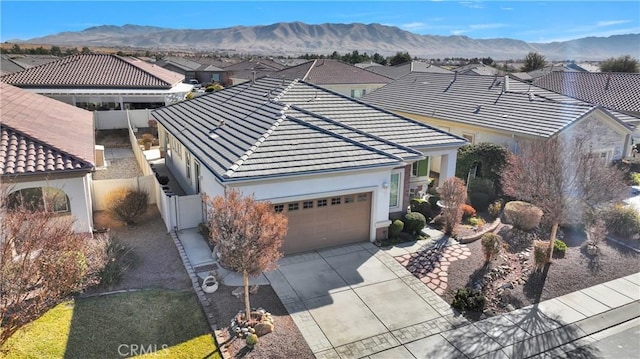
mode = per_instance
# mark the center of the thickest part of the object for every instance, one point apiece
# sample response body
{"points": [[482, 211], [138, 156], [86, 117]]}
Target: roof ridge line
{"points": [[235, 165], [47, 145], [310, 68], [366, 134], [285, 90]]}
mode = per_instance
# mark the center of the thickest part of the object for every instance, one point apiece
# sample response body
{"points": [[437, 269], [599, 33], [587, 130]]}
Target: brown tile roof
{"points": [[331, 72], [616, 90], [39, 134], [95, 71]]}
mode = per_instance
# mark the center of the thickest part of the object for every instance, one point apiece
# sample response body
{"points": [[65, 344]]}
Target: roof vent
{"points": [[606, 87], [478, 108], [505, 86], [212, 134], [531, 96]]}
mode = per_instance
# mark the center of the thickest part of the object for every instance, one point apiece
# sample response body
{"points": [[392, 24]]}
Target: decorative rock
{"points": [[507, 285], [263, 328], [238, 292], [252, 331]]}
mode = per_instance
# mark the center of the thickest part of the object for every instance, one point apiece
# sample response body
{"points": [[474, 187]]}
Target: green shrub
{"points": [[635, 179], [482, 185], [127, 205], [622, 220], [251, 340], [491, 244], [522, 215], [421, 206], [395, 228], [479, 201], [559, 248], [495, 209], [468, 299], [203, 230], [414, 222], [117, 261], [540, 253], [468, 211], [213, 88], [476, 221]]}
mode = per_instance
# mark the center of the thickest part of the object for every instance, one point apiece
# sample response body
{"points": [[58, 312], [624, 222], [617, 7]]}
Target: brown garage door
{"points": [[327, 221]]}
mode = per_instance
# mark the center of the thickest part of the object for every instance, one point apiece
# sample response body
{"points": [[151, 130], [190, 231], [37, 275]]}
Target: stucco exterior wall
{"points": [[602, 134], [78, 189]]}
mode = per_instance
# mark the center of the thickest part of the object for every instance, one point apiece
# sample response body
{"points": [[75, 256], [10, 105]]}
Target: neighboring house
{"points": [[335, 75], [337, 167], [16, 62], [503, 111], [366, 64], [193, 70], [478, 69], [618, 90], [46, 154], [251, 69], [396, 72], [550, 69], [101, 82]]}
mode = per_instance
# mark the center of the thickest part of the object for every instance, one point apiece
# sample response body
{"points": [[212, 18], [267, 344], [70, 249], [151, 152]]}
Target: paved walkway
{"points": [[358, 301]]}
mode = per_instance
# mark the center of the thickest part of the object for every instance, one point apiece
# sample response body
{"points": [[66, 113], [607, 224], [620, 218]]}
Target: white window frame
{"points": [[469, 137], [398, 205]]}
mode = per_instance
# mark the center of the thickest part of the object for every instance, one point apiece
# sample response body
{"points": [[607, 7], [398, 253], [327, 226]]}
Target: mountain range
{"points": [[298, 38]]}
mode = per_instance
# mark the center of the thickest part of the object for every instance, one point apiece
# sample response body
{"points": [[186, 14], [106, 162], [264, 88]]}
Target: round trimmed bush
{"points": [[522, 215], [559, 248], [469, 300], [495, 209], [414, 222], [421, 206], [395, 228], [540, 253]]}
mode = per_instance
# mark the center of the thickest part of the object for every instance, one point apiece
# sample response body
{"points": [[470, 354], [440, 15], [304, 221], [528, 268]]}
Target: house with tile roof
{"points": [[41, 160], [191, 69], [396, 72], [615, 90], [251, 69], [335, 75], [103, 83], [337, 167], [503, 111], [478, 69]]}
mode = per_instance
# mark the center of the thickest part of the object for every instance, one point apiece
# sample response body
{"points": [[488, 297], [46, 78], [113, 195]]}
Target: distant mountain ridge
{"points": [[295, 38]]}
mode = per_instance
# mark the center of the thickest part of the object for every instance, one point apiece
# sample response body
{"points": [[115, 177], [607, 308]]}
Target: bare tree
{"points": [[624, 63], [453, 194], [42, 261], [564, 178], [247, 234]]}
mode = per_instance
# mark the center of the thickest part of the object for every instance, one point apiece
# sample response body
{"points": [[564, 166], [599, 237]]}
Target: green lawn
{"points": [[121, 325]]}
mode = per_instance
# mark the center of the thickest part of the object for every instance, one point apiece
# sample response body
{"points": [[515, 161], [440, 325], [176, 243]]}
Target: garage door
{"points": [[327, 221]]}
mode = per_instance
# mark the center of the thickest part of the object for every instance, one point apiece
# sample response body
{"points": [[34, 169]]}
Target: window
{"points": [[307, 204], [395, 190], [196, 167], [322, 203], [293, 206], [358, 93], [37, 198], [362, 197], [348, 199], [278, 208], [187, 159], [335, 201], [420, 168]]}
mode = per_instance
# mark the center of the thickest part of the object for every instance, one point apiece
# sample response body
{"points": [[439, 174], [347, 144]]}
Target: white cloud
{"points": [[414, 26], [472, 4], [506, 8], [611, 23], [458, 32], [487, 26]]}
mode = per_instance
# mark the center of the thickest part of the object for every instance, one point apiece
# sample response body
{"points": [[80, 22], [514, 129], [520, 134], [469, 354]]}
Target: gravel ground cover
{"points": [[285, 341]]}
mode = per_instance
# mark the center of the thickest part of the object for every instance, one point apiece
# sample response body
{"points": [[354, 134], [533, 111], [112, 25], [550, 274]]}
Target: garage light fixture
{"points": [[385, 184]]}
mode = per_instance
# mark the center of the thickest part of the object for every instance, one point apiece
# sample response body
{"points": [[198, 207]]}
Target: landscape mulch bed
{"points": [[576, 270], [285, 341]]}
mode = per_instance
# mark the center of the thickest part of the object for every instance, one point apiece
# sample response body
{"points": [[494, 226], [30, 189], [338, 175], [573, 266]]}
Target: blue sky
{"points": [[533, 21]]}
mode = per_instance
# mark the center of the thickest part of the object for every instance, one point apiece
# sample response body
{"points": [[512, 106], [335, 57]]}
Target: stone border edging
{"points": [[205, 303], [477, 236], [622, 244]]}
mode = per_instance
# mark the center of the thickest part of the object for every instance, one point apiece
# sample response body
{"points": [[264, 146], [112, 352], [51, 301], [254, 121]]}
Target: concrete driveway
{"points": [[357, 301]]}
